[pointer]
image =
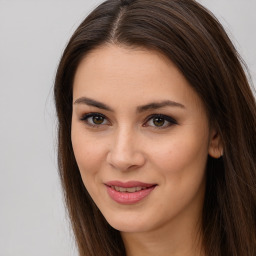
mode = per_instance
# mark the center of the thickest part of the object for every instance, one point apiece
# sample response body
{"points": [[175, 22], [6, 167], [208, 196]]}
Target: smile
{"points": [[130, 192]]}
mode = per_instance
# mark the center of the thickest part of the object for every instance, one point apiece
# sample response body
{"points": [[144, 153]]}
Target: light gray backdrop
{"points": [[33, 34]]}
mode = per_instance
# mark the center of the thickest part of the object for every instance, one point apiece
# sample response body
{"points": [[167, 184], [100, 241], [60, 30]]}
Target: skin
{"points": [[128, 145]]}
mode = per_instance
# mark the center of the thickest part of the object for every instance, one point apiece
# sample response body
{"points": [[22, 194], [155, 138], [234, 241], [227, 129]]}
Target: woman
{"points": [[156, 133]]}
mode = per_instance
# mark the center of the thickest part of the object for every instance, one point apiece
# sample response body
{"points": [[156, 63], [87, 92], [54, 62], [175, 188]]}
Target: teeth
{"points": [[121, 189], [129, 190]]}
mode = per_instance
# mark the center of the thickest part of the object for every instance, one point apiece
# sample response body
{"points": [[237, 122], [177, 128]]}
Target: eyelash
{"points": [[86, 117], [171, 121]]}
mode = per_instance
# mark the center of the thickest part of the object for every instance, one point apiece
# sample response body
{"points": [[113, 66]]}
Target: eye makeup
{"points": [[95, 119], [157, 121]]}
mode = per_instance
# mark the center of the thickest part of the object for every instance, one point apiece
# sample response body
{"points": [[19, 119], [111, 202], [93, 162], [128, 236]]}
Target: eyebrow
{"points": [[94, 103], [143, 108], [156, 105]]}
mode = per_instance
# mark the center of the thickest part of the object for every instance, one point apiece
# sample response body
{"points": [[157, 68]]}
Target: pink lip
{"points": [[129, 197], [129, 184]]}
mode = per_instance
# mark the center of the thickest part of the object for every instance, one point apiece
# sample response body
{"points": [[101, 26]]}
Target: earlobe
{"points": [[215, 149]]}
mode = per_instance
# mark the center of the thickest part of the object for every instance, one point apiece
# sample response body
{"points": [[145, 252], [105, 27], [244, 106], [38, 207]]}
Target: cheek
{"points": [[181, 154], [88, 153], [89, 158], [181, 164]]}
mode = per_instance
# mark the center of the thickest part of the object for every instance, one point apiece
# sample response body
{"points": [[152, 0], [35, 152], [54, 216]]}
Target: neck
{"points": [[155, 243]]}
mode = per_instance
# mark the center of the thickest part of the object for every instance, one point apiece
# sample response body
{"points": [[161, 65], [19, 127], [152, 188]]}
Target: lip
{"points": [[129, 197], [128, 184]]}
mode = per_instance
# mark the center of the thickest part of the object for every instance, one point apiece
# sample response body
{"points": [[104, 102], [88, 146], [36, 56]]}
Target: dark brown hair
{"points": [[192, 38]]}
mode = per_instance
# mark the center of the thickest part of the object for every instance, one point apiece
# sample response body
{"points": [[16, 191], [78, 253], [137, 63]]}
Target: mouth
{"points": [[129, 192]]}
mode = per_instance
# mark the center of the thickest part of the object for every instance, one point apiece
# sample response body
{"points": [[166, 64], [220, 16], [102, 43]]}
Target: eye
{"points": [[160, 121], [95, 119]]}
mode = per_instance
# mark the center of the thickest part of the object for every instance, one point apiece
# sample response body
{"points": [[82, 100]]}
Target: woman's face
{"points": [[141, 138]]}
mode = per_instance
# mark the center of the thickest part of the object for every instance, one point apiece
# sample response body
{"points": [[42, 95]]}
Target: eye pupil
{"points": [[98, 119], [158, 121]]}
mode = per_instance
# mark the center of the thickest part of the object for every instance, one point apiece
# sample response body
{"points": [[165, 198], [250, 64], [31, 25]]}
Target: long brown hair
{"points": [[192, 38]]}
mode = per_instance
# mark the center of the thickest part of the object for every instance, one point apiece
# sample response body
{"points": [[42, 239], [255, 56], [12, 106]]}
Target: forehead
{"points": [[133, 75]]}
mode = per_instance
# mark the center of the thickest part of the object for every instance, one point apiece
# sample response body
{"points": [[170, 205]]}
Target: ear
{"points": [[215, 149]]}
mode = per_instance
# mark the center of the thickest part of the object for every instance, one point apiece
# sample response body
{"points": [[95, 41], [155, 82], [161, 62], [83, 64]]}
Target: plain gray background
{"points": [[33, 35]]}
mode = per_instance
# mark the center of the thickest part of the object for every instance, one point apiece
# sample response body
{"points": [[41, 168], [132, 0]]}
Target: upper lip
{"points": [[129, 184]]}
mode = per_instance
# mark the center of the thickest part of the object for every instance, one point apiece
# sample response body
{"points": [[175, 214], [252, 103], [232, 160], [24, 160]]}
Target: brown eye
{"points": [[95, 119], [158, 121], [98, 119]]}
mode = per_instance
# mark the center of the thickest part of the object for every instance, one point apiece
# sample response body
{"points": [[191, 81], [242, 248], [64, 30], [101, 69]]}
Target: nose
{"points": [[125, 152]]}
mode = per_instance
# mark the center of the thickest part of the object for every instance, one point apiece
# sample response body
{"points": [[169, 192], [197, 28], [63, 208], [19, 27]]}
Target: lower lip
{"points": [[129, 198]]}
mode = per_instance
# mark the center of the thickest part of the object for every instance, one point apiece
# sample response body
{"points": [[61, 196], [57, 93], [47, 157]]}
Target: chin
{"points": [[128, 227], [127, 224]]}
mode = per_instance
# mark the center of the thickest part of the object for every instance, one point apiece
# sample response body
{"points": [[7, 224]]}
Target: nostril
{"points": [[125, 161]]}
